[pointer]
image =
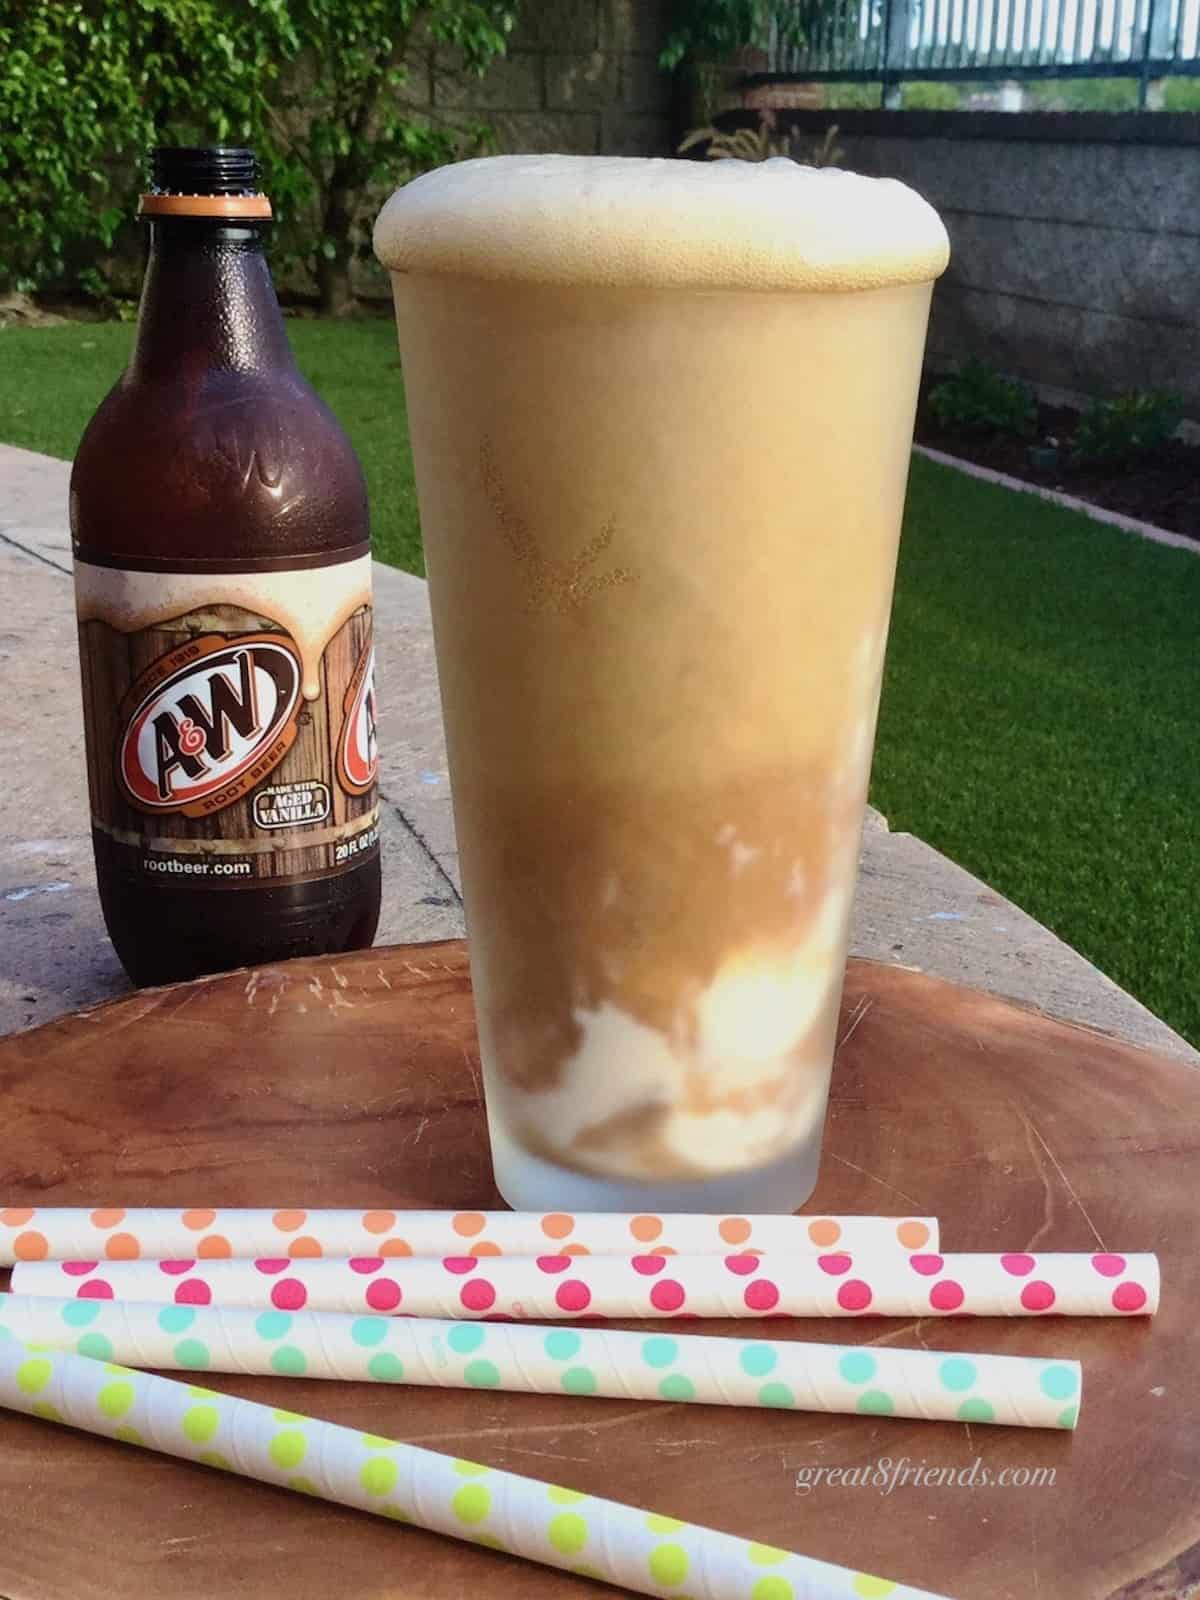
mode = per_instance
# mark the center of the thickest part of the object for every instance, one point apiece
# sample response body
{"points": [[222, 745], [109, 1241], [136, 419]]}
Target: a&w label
{"points": [[230, 720], [358, 757], [208, 721]]}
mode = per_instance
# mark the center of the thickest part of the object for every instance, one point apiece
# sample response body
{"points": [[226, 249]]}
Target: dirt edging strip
{"points": [[1115, 519]]}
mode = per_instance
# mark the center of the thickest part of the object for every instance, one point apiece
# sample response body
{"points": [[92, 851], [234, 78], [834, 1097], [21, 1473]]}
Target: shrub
{"points": [[979, 400], [317, 86], [763, 142], [1113, 431], [922, 96]]}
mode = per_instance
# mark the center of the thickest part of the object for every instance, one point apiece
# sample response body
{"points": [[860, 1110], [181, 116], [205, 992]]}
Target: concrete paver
{"points": [[914, 907]]}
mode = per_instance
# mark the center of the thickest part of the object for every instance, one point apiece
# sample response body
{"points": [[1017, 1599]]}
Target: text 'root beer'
{"points": [[223, 587]]}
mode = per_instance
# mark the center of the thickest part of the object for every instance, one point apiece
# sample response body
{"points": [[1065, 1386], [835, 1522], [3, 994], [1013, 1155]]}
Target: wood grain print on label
{"points": [[208, 763]]}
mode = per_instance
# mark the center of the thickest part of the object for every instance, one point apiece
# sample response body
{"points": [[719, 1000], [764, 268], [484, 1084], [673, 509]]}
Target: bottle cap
{"points": [[204, 181]]}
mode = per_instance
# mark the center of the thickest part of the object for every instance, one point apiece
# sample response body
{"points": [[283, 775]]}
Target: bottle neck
{"points": [[208, 301]]}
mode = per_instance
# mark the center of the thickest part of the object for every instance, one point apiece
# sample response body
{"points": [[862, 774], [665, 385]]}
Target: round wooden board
{"points": [[355, 1082]]}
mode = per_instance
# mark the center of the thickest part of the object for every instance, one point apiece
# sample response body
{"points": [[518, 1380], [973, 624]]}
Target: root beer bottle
{"points": [[223, 586]]}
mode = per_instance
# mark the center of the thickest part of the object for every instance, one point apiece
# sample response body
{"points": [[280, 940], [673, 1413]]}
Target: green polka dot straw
{"points": [[558, 1527], [783, 1375]]}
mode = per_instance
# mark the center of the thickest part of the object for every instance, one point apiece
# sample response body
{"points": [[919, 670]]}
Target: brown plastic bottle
{"points": [[219, 522]]}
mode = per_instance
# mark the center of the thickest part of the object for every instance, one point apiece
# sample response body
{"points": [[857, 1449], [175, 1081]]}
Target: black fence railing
{"points": [[888, 41]]}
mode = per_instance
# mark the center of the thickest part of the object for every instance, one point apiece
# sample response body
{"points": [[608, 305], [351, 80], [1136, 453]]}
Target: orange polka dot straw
{"points": [[111, 1233]]}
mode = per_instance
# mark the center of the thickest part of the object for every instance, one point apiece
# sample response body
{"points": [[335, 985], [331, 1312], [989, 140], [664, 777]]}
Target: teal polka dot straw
{"points": [[555, 1526], [780, 1375]]}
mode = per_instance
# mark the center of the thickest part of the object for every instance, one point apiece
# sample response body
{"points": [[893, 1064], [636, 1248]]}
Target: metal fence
{"points": [[886, 41]]}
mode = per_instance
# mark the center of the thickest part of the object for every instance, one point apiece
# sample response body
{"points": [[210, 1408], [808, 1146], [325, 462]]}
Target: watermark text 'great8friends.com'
{"points": [[886, 1475]]}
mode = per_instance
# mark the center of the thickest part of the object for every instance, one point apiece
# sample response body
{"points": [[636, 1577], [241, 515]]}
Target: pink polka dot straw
{"points": [[552, 1287], [112, 1233], [543, 1522]]}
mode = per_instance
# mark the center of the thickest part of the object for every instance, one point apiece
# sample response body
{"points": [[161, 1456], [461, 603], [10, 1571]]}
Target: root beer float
{"points": [[661, 414], [223, 588]]}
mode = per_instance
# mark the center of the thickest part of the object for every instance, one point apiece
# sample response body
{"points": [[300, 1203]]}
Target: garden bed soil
{"points": [[1161, 487]]}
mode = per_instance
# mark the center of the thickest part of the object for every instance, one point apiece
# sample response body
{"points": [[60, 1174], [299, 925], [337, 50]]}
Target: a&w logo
{"points": [[358, 754], [207, 722]]}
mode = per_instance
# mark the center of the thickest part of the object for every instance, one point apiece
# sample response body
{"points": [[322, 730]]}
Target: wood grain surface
{"points": [[355, 1082]]}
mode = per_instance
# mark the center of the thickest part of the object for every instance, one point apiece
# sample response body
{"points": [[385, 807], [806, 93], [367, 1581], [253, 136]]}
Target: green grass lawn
{"points": [[1039, 720], [1039, 723], [52, 379]]}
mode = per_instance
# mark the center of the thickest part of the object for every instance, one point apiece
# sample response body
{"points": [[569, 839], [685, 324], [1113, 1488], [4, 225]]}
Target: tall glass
{"points": [[661, 415]]}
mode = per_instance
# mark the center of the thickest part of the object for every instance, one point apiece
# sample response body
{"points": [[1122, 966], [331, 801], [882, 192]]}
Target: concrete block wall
{"points": [[1075, 238], [581, 77]]}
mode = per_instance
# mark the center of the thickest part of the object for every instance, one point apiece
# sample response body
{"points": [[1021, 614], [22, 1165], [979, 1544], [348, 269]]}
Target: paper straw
{"points": [[548, 1288], [29, 1233], [932, 1384], [545, 1523]]}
